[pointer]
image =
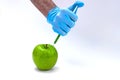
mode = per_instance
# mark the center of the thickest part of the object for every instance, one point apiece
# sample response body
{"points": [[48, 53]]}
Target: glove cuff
{"points": [[52, 13]]}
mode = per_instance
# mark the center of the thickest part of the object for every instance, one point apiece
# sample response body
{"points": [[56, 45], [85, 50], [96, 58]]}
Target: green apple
{"points": [[45, 56]]}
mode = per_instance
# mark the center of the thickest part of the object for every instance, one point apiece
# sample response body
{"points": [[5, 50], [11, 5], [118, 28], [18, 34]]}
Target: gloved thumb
{"points": [[78, 4]]}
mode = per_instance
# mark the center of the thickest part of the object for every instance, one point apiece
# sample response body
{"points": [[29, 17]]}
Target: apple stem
{"points": [[46, 45]]}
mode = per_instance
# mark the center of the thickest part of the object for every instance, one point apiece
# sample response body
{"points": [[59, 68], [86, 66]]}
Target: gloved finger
{"points": [[58, 30], [72, 16], [77, 3], [64, 27], [70, 23]]}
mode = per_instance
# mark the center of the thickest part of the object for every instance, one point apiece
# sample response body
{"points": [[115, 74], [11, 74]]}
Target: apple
{"points": [[45, 56]]}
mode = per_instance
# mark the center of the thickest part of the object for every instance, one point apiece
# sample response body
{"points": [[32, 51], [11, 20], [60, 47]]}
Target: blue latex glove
{"points": [[63, 20]]}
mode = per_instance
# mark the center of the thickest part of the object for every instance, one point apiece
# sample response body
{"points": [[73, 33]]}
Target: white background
{"points": [[90, 51]]}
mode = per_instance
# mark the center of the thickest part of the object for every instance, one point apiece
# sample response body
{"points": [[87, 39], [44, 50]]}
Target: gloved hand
{"points": [[63, 20]]}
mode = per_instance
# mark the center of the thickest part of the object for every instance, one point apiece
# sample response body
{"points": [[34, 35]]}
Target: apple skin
{"points": [[45, 56]]}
